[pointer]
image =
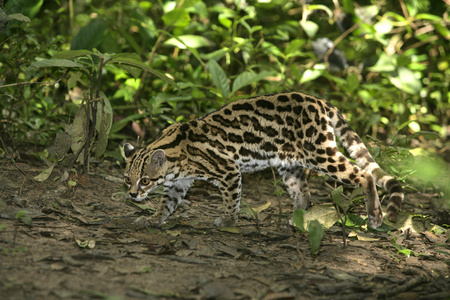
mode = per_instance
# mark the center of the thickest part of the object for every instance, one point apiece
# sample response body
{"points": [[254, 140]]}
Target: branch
{"points": [[30, 82]]}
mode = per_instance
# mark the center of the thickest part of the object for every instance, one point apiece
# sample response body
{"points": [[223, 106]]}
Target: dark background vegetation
{"points": [[385, 64], [80, 77]]}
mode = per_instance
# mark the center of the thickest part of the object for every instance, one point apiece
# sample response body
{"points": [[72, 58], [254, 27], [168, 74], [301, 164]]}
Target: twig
{"points": [[21, 171], [29, 82], [337, 41]]}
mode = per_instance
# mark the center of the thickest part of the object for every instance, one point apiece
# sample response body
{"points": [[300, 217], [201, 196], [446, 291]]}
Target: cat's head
{"points": [[145, 170]]}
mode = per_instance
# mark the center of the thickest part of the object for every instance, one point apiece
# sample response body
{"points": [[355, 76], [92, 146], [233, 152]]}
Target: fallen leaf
{"points": [[326, 215], [232, 229], [43, 176]]}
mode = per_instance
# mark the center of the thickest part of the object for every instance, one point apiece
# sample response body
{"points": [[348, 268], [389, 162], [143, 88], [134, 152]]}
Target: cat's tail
{"points": [[358, 151]]}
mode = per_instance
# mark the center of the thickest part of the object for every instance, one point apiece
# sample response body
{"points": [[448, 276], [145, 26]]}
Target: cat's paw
{"points": [[146, 222], [376, 220], [225, 221]]}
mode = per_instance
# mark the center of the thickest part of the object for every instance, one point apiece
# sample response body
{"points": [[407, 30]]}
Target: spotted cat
{"points": [[287, 131]]}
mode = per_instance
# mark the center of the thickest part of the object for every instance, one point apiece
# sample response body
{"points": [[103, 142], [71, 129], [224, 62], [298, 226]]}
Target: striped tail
{"points": [[358, 151]]}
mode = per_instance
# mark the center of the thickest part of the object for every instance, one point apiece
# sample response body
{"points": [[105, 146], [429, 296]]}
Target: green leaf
{"points": [[29, 8], [46, 63], [189, 41], [348, 6], [18, 17], [71, 54], [79, 132], [315, 235], [337, 196], [219, 77], [90, 36], [135, 72], [139, 64], [310, 74], [384, 64], [73, 79], [298, 219], [354, 221], [294, 48], [262, 207], [224, 19], [25, 217], [247, 78], [117, 126], [178, 17], [310, 28], [384, 26], [321, 7], [352, 82], [405, 80]]}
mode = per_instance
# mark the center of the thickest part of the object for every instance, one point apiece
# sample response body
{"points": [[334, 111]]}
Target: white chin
{"points": [[139, 198]]}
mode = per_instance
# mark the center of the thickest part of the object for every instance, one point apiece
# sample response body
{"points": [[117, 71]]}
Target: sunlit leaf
{"points": [[178, 17], [44, 174], [262, 207], [143, 66], [405, 80], [321, 7], [310, 28], [325, 214], [385, 63], [309, 75], [190, 40], [384, 26]]}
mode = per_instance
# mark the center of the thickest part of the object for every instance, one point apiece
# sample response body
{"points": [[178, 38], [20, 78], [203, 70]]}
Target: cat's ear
{"points": [[158, 158], [127, 150]]}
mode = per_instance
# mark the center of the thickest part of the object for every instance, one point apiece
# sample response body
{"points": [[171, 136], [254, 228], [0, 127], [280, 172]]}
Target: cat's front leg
{"points": [[174, 193]]}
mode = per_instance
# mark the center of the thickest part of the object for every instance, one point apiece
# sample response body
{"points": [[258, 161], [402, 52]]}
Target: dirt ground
{"points": [[79, 243]]}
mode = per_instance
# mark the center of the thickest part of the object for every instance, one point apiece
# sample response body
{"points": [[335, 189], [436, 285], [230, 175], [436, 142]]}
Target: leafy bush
{"points": [[385, 65]]}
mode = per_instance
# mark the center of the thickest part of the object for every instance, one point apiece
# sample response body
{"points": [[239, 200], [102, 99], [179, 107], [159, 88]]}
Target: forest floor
{"points": [[79, 243]]}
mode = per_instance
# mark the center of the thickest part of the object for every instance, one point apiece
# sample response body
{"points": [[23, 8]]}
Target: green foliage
{"points": [[405, 251], [385, 67], [315, 235], [314, 230], [24, 217], [298, 219]]}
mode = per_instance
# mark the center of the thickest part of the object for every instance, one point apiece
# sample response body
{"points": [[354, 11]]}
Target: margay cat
{"points": [[288, 131]]}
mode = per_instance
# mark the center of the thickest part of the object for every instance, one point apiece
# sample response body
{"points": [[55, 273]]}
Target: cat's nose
{"points": [[133, 195]]}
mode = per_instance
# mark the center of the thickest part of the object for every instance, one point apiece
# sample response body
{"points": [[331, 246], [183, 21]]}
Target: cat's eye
{"points": [[127, 180], [145, 181]]}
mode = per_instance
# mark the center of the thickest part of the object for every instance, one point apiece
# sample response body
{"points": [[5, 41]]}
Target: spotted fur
{"points": [[288, 131]]}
